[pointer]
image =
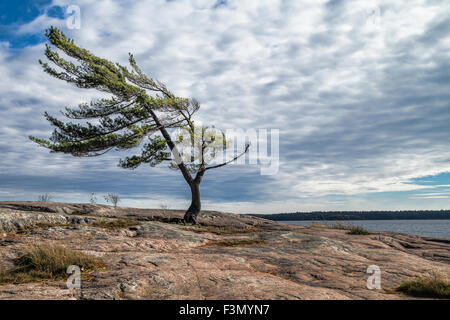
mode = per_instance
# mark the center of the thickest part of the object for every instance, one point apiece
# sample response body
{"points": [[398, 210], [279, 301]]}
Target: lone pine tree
{"points": [[139, 108]]}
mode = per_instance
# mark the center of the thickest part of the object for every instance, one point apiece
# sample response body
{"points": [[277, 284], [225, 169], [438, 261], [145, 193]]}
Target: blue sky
{"points": [[15, 13], [358, 89]]}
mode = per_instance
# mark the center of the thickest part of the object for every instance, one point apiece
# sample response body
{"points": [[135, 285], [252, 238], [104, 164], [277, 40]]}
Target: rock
{"points": [[11, 221], [227, 257]]}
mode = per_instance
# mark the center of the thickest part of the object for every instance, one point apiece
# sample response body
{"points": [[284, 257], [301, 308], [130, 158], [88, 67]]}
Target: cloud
{"points": [[359, 91]]}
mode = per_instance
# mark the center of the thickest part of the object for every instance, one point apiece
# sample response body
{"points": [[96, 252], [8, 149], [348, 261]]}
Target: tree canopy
{"points": [[138, 113]]}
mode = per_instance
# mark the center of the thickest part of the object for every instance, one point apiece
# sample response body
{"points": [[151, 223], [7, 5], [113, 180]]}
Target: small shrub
{"points": [[46, 197], [357, 230], [112, 198], [434, 286], [92, 198], [115, 223], [48, 262]]}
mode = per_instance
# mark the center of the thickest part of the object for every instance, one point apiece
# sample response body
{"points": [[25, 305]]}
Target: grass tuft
{"points": [[48, 262], [115, 223], [234, 243], [352, 229], [357, 230], [434, 286]]}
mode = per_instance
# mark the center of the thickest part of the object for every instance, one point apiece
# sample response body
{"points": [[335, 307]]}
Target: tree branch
{"points": [[229, 161], [184, 170]]}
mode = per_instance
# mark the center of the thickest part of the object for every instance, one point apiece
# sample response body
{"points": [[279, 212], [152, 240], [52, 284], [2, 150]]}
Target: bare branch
{"points": [[232, 160]]}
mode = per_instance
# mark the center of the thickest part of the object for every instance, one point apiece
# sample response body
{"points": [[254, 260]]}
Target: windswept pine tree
{"points": [[139, 108]]}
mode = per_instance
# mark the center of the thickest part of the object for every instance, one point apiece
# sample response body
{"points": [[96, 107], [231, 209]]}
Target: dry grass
{"points": [[433, 286], [324, 225], [115, 223], [338, 225], [48, 262], [234, 243], [357, 230], [40, 226], [352, 229], [223, 230]]}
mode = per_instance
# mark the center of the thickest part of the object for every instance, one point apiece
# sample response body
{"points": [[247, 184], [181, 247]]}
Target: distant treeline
{"points": [[358, 215]]}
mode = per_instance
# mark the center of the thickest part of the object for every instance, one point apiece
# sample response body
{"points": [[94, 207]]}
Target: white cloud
{"points": [[362, 108]]}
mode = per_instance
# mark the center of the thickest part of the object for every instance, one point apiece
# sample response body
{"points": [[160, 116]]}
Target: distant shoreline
{"points": [[358, 215]]}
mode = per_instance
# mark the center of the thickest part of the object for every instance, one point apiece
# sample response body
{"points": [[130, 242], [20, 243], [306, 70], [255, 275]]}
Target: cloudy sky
{"points": [[360, 92]]}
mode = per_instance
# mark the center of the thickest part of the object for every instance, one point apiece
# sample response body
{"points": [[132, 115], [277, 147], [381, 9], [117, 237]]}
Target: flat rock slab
{"points": [[227, 257]]}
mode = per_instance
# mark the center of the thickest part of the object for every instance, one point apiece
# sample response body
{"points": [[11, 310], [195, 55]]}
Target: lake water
{"points": [[430, 228]]}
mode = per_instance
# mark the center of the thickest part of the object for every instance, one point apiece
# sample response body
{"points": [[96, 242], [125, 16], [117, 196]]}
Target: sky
{"points": [[359, 91]]}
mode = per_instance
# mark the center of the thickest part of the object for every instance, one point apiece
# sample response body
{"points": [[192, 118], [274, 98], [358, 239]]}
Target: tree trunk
{"points": [[191, 214]]}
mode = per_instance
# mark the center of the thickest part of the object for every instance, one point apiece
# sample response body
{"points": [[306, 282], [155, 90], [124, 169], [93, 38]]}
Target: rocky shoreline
{"points": [[151, 255]]}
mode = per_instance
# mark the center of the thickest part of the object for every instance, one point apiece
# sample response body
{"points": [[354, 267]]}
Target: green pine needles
{"points": [[123, 120]]}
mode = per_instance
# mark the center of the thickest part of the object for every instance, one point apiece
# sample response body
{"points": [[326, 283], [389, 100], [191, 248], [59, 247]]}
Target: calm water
{"points": [[430, 228]]}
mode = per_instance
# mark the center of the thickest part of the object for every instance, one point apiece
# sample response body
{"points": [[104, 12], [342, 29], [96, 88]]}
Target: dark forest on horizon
{"points": [[358, 215]]}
